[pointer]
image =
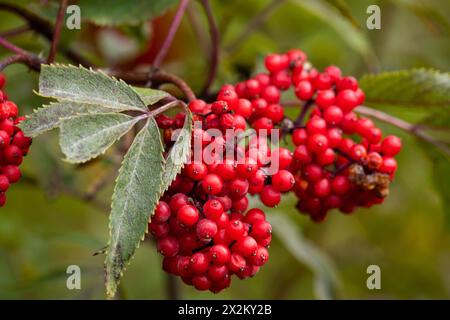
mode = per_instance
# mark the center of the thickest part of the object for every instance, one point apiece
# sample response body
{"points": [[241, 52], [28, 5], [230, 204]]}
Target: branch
{"points": [[157, 78], [15, 32], [57, 31], [254, 24], [11, 47], [173, 292], [44, 28], [170, 35], [31, 61], [214, 55], [405, 126]]}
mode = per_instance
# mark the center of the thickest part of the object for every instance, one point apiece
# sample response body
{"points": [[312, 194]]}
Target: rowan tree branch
{"points": [[57, 31], [214, 51], [170, 36]]}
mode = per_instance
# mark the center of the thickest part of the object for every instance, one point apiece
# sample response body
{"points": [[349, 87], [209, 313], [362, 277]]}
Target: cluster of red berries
{"points": [[203, 226], [206, 245], [341, 160], [13, 144]]}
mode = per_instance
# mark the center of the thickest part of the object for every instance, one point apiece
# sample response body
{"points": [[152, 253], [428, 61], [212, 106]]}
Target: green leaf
{"points": [[344, 10], [407, 88], [179, 153], [137, 191], [119, 12], [150, 96], [87, 136], [441, 172], [326, 276], [78, 84], [50, 117]]}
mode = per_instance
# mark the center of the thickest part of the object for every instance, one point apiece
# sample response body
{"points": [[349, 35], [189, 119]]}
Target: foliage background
{"points": [[43, 229]]}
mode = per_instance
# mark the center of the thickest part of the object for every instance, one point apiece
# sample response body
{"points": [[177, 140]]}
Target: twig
{"points": [[214, 55], [31, 61], [11, 47], [170, 35], [303, 113], [15, 32], [405, 126], [172, 288], [255, 23], [44, 28], [57, 31]]}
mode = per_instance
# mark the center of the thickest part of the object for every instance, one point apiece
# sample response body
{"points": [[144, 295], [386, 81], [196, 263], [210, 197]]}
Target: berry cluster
{"points": [[340, 160], [200, 223], [206, 245], [13, 144]]}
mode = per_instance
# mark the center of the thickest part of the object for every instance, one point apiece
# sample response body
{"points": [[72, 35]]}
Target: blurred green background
{"points": [[44, 227]]}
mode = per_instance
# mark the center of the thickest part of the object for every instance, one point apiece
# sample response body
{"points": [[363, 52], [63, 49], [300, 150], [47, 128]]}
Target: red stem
{"points": [[57, 32], [11, 47], [214, 57], [170, 35]]}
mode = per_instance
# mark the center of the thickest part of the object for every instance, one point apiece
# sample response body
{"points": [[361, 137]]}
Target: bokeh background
{"points": [[45, 226]]}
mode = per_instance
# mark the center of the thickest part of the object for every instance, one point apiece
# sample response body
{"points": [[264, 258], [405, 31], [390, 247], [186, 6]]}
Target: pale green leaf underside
{"points": [[326, 276], [120, 12], [87, 136], [407, 88], [179, 153], [150, 96], [50, 117], [78, 84], [136, 194]]}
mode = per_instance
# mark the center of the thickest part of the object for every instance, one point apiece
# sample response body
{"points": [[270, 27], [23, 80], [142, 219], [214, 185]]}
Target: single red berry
{"points": [[235, 230], [237, 263], [212, 184], [197, 106], [313, 172], [326, 158], [168, 246], [219, 254], [391, 145], [261, 256], [246, 246], [240, 205], [325, 98], [4, 183], [199, 263], [270, 196], [323, 81], [317, 143], [340, 185], [271, 94], [196, 170], [213, 209], [299, 136], [283, 181], [333, 115], [304, 90], [276, 62], [347, 100], [217, 273], [302, 155], [322, 188], [188, 215], [256, 182], [347, 83], [334, 72], [159, 230], [238, 188], [13, 155], [374, 160], [358, 152], [162, 212], [201, 283], [5, 139], [177, 201], [261, 229], [254, 215], [316, 125], [244, 108], [230, 97], [281, 79], [389, 165], [206, 229], [219, 107]]}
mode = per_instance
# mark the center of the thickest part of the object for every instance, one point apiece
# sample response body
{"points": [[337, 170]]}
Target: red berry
{"points": [[261, 229], [197, 106], [212, 184], [188, 215], [340, 185], [12, 172], [271, 94], [235, 230], [347, 100], [304, 90], [391, 145], [244, 108], [317, 143], [219, 254], [206, 229], [5, 139], [333, 115], [4, 183], [196, 170], [283, 181], [246, 246], [177, 201], [276, 62], [162, 212], [168, 246], [270, 196], [325, 99]]}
